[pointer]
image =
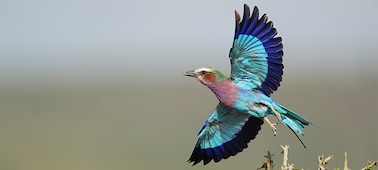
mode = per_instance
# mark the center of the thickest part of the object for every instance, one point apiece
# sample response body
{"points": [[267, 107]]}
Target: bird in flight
{"points": [[244, 102]]}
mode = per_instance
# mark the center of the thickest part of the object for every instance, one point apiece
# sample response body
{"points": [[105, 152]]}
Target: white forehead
{"points": [[207, 69]]}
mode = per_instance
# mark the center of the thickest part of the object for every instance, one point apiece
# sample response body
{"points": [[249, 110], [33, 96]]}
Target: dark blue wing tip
{"points": [[258, 27], [261, 28], [254, 25], [230, 148]]}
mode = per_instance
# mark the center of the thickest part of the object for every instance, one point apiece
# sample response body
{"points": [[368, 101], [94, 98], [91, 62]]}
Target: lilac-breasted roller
{"points": [[244, 102]]}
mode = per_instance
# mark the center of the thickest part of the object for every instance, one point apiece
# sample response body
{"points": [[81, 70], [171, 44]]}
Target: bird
{"points": [[244, 96]]}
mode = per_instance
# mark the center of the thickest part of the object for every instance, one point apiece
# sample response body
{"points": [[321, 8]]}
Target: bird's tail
{"points": [[294, 121]]}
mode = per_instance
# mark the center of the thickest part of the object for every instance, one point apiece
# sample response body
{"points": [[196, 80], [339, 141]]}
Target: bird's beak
{"points": [[190, 73]]}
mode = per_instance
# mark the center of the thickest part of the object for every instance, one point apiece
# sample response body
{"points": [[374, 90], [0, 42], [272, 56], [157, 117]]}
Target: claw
{"points": [[272, 125]]}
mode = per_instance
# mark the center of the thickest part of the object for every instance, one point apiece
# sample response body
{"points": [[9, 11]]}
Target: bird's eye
{"points": [[203, 72]]}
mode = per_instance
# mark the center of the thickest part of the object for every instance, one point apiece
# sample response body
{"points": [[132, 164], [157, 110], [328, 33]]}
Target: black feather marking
{"points": [[300, 140]]}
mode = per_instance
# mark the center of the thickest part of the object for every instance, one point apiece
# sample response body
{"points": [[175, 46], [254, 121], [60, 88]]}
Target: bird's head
{"points": [[206, 75]]}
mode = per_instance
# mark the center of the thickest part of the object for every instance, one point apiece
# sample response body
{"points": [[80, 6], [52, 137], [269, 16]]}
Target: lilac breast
{"points": [[225, 91]]}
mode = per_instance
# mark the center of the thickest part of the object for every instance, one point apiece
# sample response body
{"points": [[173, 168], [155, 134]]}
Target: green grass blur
{"points": [[153, 125]]}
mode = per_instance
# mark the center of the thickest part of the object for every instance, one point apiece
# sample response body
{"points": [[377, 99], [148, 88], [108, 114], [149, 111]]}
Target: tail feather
{"points": [[294, 116], [295, 125], [293, 120], [300, 140]]}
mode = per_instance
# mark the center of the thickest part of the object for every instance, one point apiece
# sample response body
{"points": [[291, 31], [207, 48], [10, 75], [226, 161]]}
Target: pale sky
{"points": [[82, 39]]}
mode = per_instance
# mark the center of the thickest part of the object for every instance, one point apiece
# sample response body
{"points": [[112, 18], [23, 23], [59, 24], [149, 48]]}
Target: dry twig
{"points": [[285, 164], [322, 161], [268, 165], [346, 161], [370, 165]]}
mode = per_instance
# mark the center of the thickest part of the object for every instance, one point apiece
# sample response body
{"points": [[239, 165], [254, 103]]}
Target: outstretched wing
{"points": [[256, 54], [225, 133]]}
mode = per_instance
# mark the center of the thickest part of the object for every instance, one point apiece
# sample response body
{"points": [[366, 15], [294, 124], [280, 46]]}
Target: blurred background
{"points": [[100, 85]]}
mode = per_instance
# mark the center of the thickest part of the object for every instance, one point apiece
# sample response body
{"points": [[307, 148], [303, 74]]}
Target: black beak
{"points": [[190, 73]]}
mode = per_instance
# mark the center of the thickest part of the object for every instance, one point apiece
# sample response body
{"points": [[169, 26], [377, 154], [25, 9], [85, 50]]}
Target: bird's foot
{"points": [[271, 125]]}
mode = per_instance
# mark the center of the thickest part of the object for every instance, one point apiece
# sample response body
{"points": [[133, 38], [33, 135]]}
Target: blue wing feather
{"points": [[256, 54], [267, 32], [277, 61], [245, 23], [273, 43], [225, 133], [253, 20], [276, 55], [270, 35], [217, 154], [260, 25]]}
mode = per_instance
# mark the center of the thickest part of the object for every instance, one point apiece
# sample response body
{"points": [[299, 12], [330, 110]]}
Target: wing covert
{"points": [[256, 54], [225, 133]]}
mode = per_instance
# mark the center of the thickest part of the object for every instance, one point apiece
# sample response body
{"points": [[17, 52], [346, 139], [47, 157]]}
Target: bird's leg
{"points": [[274, 111], [272, 125]]}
